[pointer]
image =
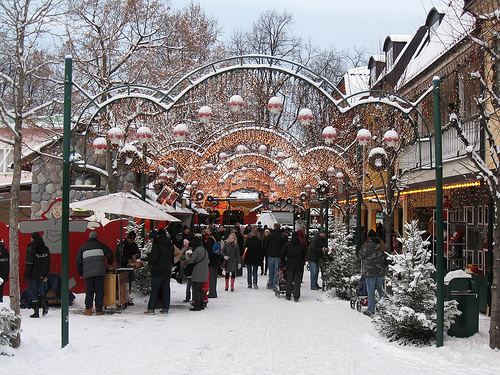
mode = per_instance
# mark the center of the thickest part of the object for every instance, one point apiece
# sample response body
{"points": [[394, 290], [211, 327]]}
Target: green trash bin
{"points": [[467, 324]]}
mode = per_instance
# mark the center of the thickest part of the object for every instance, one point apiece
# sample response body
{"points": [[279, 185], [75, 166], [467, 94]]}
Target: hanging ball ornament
{"points": [[323, 188], [230, 175], [329, 134], [339, 177], [181, 132], [222, 156], [281, 156], [144, 135], [303, 196], [294, 167], [221, 182], [171, 171], [275, 105], [195, 184], [205, 114], [330, 172], [378, 160], [364, 137], [391, 138], [209, 167], [115, 135], [241, 149], [163, 176], [305, 116], [262, 149], [235, 103], [308, 188], [99, 145]]}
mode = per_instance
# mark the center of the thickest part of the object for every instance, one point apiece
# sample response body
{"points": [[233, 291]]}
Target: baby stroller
{"points": [[280, 287], [361, 297]]}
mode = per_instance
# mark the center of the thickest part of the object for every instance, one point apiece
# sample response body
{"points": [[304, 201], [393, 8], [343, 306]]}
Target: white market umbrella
{"points": [[124, 204]]}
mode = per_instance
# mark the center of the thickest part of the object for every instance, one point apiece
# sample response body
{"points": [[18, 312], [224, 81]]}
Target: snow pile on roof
{"points": [[357, 80]]}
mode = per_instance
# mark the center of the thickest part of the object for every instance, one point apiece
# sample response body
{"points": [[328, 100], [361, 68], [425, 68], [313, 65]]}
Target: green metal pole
{"points": [[359, 197], [143, 189], [327, 206], [439, 212], [68, 82]]}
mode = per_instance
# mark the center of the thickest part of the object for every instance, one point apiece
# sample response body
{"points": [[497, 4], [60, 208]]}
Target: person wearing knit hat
{"points": [[315, 252], [91, 265], [37, 271], [4, 267]]}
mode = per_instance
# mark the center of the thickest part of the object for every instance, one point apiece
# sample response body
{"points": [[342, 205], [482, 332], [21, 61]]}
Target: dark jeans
{"points": [[212, 278], [1, 291], [293, 278], [95, 286], [188, 289], [252, 271], [34, 289], [156, 284], [198, 295]]}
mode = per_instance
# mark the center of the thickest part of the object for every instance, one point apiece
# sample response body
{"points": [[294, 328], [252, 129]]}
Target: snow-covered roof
{"points": [[356, 80], [396, 39], [453, 28]]}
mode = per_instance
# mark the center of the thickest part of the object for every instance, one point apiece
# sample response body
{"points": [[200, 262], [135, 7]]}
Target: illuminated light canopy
{"points": [[391, 138], [205, 114], [364, 137], [330, 171], [275, 105], [144, 135], [180, 132], [99, 145], [329, 134], [262, 149], [235, 103], [305, 116], [115, 135]]}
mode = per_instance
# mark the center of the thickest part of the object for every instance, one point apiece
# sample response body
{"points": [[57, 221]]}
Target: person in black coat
{"points": [[126, 253], [253, 257], [214, 260], [4, 267], [161, 260], [292, 256], [91, 265], [275, 242], [37, 271]]}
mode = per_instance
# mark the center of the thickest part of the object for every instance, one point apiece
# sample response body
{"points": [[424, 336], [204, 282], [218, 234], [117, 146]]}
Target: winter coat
{"points": [[4, 262], [91, 258], [161, 258], [209, 246], [200, 270], [275, 242], [303, 238], [293, 255], [241, 240], [374, 258], [37, 260], [232, 251], [254, 254], [128, 251], [315, 252]]}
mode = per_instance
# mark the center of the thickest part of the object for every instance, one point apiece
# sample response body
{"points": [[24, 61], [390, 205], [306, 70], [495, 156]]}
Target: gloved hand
{"points": [[239, 265], [226, 257]]}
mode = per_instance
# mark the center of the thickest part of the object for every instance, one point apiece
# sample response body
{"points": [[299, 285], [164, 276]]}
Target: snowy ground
{"points": [[247, 332]]}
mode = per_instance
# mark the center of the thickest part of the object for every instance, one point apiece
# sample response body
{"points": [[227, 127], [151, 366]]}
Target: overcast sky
{"points": [[339, 23]]}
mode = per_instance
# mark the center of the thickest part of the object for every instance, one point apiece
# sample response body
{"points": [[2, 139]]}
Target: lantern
{"points": [[307, 188], [205, 114], [262, 149], [241, 149], [329, 134], [305, 116], [275, 105], [391, 138], [364, 137], [235, 103], [294, 167], [272, 176], [171, 172], [209, 167], [330, 172], [195, 184], [188, 188], [163, 176], [99, 145], [260, 170], [280, 156], [181, 132], [303, 196], [323, 187], [144, 135], [115, 135], [222, 156], [339, 177]]}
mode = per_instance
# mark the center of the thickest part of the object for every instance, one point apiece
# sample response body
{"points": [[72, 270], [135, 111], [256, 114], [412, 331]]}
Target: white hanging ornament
{"points": [[329, 134], [235, 103], [330, 171], [262, 149], [144, 135], [99, 145], [180, 132], [205, 114], [209, 167], [305, 116], [221, 182], [364, 137], [222, 156], [171, 171], [195, 184], [280, 156], [241, 149], [339, 177], [275, 105], [163, 176], [294, 167], [115, 135], [391, 138]]}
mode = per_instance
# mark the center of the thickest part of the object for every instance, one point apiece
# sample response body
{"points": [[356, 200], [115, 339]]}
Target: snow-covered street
{"points": [[248, 332]]}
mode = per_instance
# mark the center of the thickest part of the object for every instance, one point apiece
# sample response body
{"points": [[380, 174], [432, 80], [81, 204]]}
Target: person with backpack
{"points": [[212, 245]]}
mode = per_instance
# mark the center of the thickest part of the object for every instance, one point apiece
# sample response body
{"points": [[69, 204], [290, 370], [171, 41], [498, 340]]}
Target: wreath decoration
{"points": [[130, 159], [378, 160], [179, 186], [323, 188]]}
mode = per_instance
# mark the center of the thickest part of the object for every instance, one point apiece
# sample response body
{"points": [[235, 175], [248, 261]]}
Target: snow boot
{"points": [[232, 284], [36, 308], [88, 312], [227, 285], [45, 307]]}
